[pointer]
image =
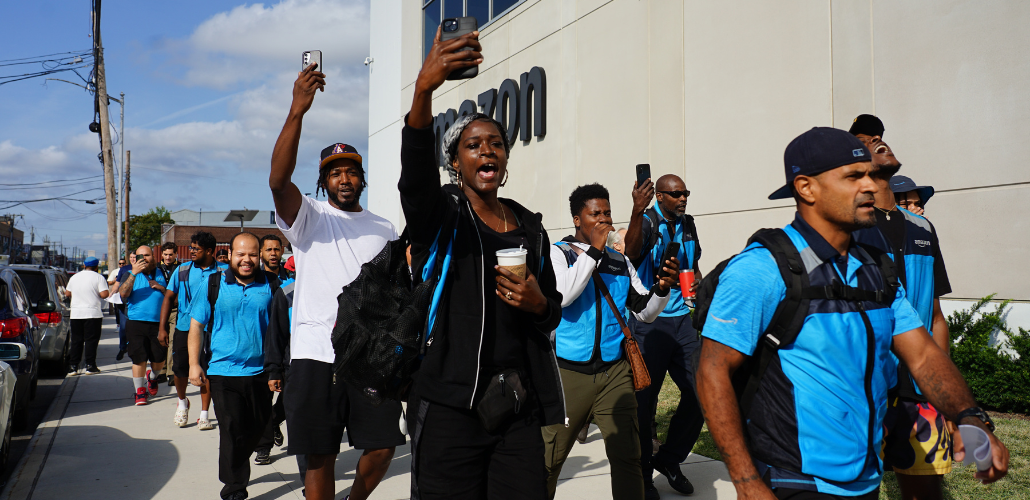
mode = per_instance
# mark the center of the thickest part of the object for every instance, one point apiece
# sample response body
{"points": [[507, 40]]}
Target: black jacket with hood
{"points": [[450, 371]]}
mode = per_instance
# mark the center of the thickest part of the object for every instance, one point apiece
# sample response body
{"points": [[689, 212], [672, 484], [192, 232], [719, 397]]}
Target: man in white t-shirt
{"points": [[331, 240], [87, 289]]}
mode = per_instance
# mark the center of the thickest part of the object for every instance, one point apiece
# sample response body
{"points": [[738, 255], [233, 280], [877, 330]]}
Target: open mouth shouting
{"points": [[488, 171]]}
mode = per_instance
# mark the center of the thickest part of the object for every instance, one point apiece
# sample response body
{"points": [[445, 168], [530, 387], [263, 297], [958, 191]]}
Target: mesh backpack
{"points": [[790, 314], [386, 318]]}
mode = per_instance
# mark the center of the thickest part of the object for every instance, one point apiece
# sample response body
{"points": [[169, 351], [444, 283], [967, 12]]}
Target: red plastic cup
{"points": [[686, 280]]}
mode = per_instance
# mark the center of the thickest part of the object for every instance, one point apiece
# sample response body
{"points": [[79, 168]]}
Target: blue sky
{"points": [[208, 86]]}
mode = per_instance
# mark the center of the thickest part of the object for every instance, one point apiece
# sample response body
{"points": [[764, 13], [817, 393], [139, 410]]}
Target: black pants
{"points": [[668, 346], [277, 418], [85, 336], [792, 494], [244, 407], [453, 457]]}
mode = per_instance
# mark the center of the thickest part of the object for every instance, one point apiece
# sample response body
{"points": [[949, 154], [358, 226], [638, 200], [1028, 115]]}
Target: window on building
{"points": [[435, 11]]}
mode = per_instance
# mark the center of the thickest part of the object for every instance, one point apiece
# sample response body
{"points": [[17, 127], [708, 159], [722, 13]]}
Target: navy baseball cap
{"points": [[816, 151], [866, 124], [91, 262], [902, 184], [336, 151]]}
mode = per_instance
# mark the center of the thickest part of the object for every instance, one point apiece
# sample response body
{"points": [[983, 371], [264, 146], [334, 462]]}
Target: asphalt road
{"points": [[46, 390]]}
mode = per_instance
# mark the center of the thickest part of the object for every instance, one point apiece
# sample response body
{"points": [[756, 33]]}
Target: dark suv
{"points": [[47, 284], [19, 332]]}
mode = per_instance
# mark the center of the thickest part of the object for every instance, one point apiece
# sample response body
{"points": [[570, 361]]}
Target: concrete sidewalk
{"points": [[95, 444]]}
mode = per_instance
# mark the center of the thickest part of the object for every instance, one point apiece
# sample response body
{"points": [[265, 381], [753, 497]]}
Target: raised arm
{"points": [[642, 196], [285, 193]]}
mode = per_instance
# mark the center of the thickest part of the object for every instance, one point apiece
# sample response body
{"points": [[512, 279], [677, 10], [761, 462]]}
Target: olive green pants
{"points": [[610, 398], [173, 317]]}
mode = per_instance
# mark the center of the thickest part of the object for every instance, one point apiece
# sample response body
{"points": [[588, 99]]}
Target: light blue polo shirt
{"points": [[186, 291], [144, 304], [240, 322]]}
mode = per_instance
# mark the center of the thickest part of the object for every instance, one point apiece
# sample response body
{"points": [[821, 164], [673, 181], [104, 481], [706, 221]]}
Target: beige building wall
{"points": [[714, 90]]}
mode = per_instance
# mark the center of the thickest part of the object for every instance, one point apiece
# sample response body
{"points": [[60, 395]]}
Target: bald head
{"points": [[147, 254], [669, 182]]}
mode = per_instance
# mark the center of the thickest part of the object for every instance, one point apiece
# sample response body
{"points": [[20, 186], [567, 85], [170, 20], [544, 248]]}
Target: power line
{"points": [[63, 197], [50, 186], [79, 52], [47, 181]]}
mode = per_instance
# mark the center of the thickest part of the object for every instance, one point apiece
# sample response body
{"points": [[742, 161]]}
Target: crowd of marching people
{"points": [[818, 355]]}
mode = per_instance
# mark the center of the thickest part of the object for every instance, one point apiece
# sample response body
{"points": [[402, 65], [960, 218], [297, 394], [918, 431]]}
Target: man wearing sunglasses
{"points": [[669, 342], [185, 284], [918, 440]]}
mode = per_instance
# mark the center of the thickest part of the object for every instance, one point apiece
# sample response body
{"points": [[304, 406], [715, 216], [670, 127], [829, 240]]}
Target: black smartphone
{"points": [[671, 250], [452, 28], [643, 173], [311, 56]]}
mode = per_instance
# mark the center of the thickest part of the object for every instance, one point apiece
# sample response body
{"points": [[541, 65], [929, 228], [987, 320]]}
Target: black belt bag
{"points": [[503, 400]]}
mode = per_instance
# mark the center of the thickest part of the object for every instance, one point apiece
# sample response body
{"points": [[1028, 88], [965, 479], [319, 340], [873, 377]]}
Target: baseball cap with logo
{"points": [[815, 152], [866, 124], [902, 184], [337, 151]]}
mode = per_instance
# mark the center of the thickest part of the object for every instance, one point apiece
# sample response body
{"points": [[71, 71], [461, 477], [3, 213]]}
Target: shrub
{"points": [[999, 380]]}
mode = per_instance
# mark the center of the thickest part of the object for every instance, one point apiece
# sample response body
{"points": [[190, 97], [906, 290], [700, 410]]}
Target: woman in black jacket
{"points": [[490, 320]]}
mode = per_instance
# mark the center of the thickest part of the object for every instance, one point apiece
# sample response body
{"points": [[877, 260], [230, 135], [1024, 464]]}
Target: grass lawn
{"points": [[1012, 429]]}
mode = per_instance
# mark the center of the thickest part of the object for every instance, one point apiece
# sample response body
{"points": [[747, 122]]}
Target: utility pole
{"points": [[105, 137], [125, 201], [121, 173]]}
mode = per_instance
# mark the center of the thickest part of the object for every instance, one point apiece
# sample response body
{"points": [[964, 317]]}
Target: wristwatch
{"points": [[977, 412]]}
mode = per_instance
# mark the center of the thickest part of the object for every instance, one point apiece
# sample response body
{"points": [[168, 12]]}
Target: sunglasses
{"points": [[677, 194]]}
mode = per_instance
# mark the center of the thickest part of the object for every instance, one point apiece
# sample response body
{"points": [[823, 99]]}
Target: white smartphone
{"points": [[312, 56]]}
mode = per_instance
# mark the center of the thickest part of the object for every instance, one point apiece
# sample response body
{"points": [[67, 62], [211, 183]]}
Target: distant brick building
{"points": [[188, 222]]}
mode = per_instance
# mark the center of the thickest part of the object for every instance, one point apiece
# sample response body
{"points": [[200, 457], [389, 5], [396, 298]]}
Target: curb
{"points": [[25, 475]]}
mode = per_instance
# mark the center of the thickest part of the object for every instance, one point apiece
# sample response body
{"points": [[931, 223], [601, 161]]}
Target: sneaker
{"points": [[92, 369], [151, 383], [205, 425], [121, 355], [182, 415], [162, 378], [237, 495], [141, 396], [277, 437], [263, 457], [650, 492], [676, 478], [73, 370]]}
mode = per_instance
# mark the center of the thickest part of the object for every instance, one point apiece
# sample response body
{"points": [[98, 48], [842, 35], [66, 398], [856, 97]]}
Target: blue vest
{"points": [[918, 279], [686, 234], [589, 330], [820, 408]]}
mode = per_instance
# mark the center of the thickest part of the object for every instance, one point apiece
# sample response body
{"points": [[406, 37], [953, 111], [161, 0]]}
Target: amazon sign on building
{"points": [[714, 90]]}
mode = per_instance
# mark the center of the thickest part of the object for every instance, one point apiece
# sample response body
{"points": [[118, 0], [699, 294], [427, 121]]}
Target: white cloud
{"points": [[252, 41]]}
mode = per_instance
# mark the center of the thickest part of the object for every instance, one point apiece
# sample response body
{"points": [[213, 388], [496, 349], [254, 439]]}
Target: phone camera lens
{"points": [[450, 26]]}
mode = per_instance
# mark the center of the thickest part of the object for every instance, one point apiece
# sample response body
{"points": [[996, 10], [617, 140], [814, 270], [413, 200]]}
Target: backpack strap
{"points": [[570, 254], [184, 280], [789, 317], [651, 214]]}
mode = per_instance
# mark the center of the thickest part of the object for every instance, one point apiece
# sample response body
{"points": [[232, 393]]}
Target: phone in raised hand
{"points": [[311, 56], [455, 27]]}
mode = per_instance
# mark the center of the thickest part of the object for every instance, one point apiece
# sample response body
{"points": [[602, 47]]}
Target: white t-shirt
{"points": [[329, 247], [86, 287]]}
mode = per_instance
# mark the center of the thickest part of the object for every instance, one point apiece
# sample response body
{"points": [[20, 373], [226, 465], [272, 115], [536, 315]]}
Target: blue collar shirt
{"points": [[240, 321]]}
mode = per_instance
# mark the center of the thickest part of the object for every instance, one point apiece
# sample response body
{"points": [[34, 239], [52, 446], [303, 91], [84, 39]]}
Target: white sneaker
{"points": [[205, 424], [182, 414]]}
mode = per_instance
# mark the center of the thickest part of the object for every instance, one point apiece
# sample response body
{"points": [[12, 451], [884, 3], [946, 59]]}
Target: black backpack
{"points": [[386, 318], [213, 289], [790, 315]]}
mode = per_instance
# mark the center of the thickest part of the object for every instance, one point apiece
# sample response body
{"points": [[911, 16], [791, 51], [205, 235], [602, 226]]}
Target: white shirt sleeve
{"points": [[102, 284], [655, 305], [306, 217], [571, 281]]}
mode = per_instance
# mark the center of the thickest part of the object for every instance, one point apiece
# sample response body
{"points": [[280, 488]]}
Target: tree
{"points": [[146, 229]]}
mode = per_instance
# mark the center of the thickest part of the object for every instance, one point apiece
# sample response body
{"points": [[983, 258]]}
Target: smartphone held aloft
{"points": [[309, 57], [455, 27]]}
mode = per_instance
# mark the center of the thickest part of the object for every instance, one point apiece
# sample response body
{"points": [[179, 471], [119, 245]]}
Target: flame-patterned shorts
{"points": [[916, 440]]}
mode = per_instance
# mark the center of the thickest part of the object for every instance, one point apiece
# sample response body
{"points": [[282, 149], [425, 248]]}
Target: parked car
{"points": [[8, 381], [19, 326], [47, 284]]}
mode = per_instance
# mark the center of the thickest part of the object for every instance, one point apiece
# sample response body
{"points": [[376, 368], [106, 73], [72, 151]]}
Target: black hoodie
{"points": [[450, 370]]}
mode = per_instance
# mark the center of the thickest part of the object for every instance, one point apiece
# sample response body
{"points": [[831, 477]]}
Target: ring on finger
{"points": [[508, 295]]}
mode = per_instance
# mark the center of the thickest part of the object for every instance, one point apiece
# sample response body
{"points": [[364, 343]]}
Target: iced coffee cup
{"points": [[514, 260]]}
